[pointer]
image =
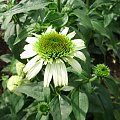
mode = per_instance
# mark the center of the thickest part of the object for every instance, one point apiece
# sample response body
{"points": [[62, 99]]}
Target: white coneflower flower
{"points": [[53, 49]]}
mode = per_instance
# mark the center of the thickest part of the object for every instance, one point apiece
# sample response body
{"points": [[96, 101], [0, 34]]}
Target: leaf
{"points": [[55, 108], [106, 102], [72, 4], [46, 91], [113, 87], [6, 58], [23, 7], [79, 102], [107, 19], [16, 102], [19, 105], [6, 21], [34, 90], [23, 34], [41, 117], [117, 114], [60, 108], [67, 88], [96, 106], [65, 107], [9, 32], [6, 117], [55, 18], [83, 18], [99, 27]]}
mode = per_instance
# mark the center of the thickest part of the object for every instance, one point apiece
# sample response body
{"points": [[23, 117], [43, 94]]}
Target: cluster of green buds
{"points": [[16, 80], [101, 70], [43, 108]]}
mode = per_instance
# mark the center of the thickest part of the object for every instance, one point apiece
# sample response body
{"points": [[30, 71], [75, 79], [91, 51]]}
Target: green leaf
{"points": [[83, 18], [65, 107], [99, 27], [9, 31], [6, 21], [6, 117], [113, 87], [38, 116], [41, 117], [106, 102], [60, 108], [16, 102], [108, 18], [23, 34], [117, 114], [46, 91], [6, 58], [96, 106], [73, 4], [23, 7], [79, 102], [55, 18], [34, 90], [55, 108], [19, 105]]}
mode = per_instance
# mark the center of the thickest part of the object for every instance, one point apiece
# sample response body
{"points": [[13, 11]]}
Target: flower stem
{"points": [[59, 6], [87, 2]]}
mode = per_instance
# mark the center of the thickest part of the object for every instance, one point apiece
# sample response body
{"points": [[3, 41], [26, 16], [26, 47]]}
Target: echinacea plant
{"points": [[53, 49]]}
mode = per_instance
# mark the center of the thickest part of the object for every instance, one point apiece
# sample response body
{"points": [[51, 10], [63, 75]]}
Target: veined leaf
{"points": [[60, 108], [34, 90], [23, 7], [79, 102]]}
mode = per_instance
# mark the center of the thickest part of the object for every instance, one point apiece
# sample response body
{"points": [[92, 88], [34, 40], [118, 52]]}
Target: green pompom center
{"points": [[43, 108], [53, 45], [101, 70]]}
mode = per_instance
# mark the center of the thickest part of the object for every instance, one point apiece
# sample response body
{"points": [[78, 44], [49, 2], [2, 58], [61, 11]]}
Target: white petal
{"points": [[64, 74], [28, 47], [30, 64], [49, 29], [27, 54], [80, 55], [47, 75], [76, 66], [64, 31], [71, 35], [54, 68], [79, 44], [35, 69], [31, 40], [59, 74]]}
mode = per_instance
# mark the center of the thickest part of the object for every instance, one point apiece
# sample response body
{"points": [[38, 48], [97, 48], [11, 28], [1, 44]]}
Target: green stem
{"points": [[59, 6], [87, 2]]}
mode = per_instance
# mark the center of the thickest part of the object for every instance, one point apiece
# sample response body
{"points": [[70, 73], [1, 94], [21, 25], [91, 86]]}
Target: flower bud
{"points": [[101, 70], [14, 82], [43, 108], [19, 69]]}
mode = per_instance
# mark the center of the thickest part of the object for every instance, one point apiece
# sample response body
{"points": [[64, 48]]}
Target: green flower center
{"points": [[101, 70], [53, 45], [43, 108]]}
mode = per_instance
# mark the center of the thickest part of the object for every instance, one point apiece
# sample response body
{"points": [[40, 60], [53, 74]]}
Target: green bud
{"points": [[43, 108], [19, 69], [101, 70], [14, 82]]}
